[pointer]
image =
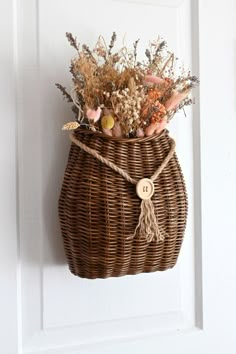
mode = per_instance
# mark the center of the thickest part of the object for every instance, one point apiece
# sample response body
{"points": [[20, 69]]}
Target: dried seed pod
{"points": [[70, 126]]}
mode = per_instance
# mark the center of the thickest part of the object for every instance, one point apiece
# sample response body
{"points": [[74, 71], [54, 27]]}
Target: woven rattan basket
{"points": [[99, 209]]}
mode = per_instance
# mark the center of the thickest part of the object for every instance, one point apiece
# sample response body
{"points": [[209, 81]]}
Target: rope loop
{"points": [[116, 168]]}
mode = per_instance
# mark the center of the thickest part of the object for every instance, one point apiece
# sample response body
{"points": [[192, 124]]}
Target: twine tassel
{"points": [[148, 226]]}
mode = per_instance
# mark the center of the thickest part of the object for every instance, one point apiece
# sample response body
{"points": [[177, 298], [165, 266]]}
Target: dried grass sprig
{"points": [[135, 45], [65, 94], [72, 40], [160, 47], [148, 55], [112, 42], [88, 52]]}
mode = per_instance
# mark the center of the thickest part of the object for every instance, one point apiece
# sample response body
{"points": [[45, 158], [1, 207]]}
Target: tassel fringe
{"points": [[148, 226]]}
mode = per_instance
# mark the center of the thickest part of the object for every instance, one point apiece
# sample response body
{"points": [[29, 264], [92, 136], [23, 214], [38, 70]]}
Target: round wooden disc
{"points": [[145, 188]]}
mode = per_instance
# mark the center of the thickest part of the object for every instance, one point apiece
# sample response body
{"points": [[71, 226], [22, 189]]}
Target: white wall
{"points": [[8, 175], [44, 309]]}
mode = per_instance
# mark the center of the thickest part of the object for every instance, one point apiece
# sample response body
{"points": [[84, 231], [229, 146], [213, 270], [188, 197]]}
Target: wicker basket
{"points": [[99, 209]]}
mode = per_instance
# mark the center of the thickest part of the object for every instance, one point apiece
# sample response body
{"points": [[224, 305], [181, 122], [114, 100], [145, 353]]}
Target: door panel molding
{"points": [[37, 334]]}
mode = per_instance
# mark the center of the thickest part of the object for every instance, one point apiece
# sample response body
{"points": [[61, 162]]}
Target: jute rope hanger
{"points": [[148, 224]]}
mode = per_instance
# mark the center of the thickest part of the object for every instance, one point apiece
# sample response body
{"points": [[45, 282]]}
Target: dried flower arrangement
{"points": [[118, 95]]}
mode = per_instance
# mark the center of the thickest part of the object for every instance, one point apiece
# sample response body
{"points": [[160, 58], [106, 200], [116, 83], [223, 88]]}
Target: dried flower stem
{"points": [[170, 59]]}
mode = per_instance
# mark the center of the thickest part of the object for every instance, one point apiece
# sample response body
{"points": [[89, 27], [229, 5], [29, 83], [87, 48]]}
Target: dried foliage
{"points": [[137, 98]]}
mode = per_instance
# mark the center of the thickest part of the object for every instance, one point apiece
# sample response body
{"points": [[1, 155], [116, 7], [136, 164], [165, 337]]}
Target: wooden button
{"points": [[145, 188]]}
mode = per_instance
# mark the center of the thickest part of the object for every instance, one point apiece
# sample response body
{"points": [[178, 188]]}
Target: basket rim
{"points": [[121, 140]]}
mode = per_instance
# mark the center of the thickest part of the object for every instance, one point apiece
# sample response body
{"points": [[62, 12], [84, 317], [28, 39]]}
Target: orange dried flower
{"points": [[154, 94], [153, 105], [159, 113]]}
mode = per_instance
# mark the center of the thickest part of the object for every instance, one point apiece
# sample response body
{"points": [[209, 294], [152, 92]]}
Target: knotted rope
{"points": [[148, 224]]}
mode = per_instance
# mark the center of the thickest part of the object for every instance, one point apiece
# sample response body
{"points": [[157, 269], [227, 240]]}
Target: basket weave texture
{"points": [[99, 210]]}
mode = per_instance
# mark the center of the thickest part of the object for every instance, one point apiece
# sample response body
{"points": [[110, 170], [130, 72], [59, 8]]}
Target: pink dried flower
{"points": [[151, 128], [175, 99], [140, 133], [93, 114], [151, 79], [156, 127], [162, 125], [107, 131], [116, 130]]}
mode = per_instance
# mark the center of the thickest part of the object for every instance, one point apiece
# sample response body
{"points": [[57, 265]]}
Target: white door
{"points": [[45, 309]]}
